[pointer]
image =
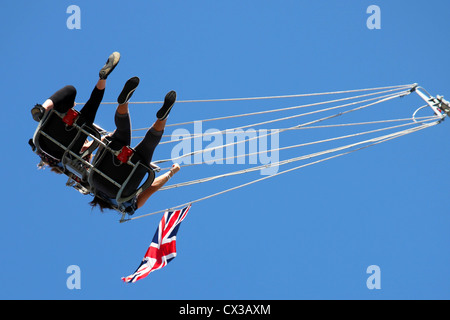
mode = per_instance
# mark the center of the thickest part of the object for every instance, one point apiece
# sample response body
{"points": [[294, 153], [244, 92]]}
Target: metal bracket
{"points": [[444, 105], [440, 106]]}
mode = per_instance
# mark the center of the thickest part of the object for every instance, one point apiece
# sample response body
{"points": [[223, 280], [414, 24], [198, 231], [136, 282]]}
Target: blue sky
{"points": [[310, 234]]}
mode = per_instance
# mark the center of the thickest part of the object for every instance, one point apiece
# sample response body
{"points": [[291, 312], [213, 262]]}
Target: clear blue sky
{"points": [[310, 234]]}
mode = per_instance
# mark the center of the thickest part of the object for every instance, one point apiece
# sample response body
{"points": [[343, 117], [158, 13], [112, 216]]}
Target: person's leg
{"points": [[48, 104], [147, 146], [38, 111], [62, 100], [153, 136], [122, 120], [122, 133], [89, 110], [119, 138]]}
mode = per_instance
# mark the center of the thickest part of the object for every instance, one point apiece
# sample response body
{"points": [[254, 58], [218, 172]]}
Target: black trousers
{"points": [[122, 137], [63, 100], [111, 166]]}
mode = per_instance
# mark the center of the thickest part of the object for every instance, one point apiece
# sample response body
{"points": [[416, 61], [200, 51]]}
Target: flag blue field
{"points": [[314, 233]]}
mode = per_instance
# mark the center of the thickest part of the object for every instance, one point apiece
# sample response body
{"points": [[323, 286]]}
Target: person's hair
{"points": [[102, 204], [42, 165]]}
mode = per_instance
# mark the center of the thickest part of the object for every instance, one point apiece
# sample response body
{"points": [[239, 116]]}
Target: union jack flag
{"points": [[163, 247]]}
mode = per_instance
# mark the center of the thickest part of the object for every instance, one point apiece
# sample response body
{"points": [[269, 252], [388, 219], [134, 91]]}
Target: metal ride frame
{"points": [[440, 106], [80, 170]]}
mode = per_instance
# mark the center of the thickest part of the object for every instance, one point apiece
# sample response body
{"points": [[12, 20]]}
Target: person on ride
{"points": [[61, 101], [106, 192]]}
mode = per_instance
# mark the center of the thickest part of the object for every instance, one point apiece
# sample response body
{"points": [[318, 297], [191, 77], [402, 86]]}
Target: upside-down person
{"points": [[105, 191], [62, 101]]}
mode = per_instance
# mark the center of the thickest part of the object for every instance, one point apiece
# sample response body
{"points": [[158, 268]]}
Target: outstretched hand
{"points": [[175, 168], [156, 185]]}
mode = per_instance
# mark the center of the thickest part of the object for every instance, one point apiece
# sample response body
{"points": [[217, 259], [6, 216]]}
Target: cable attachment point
{"points": [[437, 104], [443, 104], [413, 88]]}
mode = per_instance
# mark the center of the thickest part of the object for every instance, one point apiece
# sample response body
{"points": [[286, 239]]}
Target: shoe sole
{"points": [[128, 90], [111, 63], [169, 101]]}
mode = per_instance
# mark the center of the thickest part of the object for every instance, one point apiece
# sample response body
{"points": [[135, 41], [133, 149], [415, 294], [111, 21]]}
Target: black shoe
{"points": [[128, 90], [37, 112], [111, 63], [169, 101]]}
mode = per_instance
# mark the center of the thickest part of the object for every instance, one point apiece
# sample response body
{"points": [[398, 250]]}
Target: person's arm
{"points": [[87, 144], [156, 185]]}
